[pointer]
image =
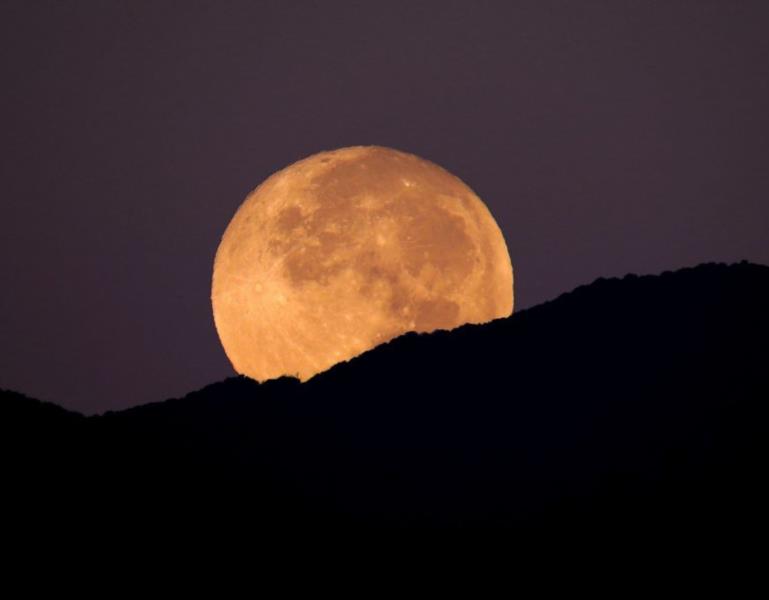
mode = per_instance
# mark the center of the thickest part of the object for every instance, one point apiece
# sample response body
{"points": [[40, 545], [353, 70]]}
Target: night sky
{"points": [[605, 137]]}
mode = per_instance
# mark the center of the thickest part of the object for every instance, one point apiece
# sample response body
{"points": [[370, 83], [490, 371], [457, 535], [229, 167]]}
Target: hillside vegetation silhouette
{"points": [[628, 405]]}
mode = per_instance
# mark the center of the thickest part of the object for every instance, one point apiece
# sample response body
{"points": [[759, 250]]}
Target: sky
{"points": [[605, 137]]}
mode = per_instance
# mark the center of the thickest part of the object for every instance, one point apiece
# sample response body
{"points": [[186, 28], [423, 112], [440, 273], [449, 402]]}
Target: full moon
{"points": [[347, 249]]}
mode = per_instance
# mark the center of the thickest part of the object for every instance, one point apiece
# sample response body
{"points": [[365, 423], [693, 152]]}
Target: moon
{"points": [[347, 249]]}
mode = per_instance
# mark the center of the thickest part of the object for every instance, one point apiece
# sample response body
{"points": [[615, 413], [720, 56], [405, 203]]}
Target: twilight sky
{"points": [[605, 137]]}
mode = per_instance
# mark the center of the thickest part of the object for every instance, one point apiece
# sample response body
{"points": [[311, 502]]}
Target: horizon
{"points": [[411, 334]]}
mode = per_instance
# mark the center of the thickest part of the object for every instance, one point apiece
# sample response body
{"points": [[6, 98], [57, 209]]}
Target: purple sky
{"points": [[606, 137]]}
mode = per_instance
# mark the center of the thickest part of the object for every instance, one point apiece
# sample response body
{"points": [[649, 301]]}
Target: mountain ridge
{"points": [[642, 396], [547, 305]]}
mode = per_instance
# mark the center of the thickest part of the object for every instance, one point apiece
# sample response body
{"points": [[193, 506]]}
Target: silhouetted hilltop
{"points": [[628, 405]]}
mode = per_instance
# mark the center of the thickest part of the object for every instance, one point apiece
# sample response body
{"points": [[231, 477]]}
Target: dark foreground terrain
{"points": [[632, 409]]}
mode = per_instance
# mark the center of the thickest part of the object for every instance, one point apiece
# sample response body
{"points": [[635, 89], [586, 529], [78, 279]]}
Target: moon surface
{"points": [[347, 249]]}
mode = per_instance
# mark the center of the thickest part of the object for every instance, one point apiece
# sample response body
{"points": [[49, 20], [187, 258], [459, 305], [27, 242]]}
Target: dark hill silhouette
{"points": [[628, 406]]}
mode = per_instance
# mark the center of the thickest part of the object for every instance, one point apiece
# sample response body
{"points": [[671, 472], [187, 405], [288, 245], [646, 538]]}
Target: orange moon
{"points": [[347, 249]]}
